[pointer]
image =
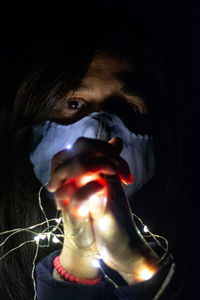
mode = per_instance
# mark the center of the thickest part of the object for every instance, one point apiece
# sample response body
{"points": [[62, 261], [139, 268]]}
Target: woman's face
{"points": [[102, 88], [105, 86]]}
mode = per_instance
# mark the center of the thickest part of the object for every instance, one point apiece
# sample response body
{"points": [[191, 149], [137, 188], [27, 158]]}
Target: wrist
{"points": [[60, 271], [78, 263]]}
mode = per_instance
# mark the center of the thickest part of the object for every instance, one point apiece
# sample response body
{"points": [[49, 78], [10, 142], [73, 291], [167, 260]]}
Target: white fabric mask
{"points": [[50, 138]]}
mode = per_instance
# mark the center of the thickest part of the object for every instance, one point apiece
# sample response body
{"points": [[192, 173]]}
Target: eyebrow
{"points": [[125, 90], [84, 87]]}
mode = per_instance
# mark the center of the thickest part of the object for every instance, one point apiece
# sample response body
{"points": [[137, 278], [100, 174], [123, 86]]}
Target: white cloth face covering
{"points": [[138, 150]]}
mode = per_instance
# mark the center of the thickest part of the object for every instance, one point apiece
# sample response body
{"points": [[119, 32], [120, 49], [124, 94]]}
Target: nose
{"points": [[103, 131]]}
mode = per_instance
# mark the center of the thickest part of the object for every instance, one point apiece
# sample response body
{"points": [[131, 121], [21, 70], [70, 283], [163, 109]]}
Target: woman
{"points": [[110, 93]]}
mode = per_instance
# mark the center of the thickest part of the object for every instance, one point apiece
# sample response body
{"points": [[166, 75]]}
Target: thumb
{"points": [[117, 144]]}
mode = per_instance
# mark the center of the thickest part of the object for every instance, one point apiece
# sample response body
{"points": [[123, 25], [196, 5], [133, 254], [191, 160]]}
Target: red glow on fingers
{"points": [[102, 181], [128, 180], [71, 182], [79, 211], [65, 203], [131, 178], [87, 178], [92, 177]]}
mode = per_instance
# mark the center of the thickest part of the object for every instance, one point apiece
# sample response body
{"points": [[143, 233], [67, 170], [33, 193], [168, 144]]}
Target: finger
{"points": [[108, 150], [63, 194], [78, 166], [88, 200], [58, 159], [86, 191], [98, 148]]}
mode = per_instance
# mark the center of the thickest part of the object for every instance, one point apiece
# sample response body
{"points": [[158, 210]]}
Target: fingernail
{"points": [[50, 189]]}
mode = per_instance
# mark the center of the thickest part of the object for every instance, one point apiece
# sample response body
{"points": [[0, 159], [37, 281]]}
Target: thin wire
{"points": [[155, 236], [30, 227], [108, 278], [54, 228], [13, 249], [40, 203], [165, 282], [17, 231], [33, 270], [44, 231]]}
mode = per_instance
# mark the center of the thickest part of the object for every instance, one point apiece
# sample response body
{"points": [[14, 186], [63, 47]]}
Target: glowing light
{"points": [[145, 274], [36, 238], [68, 147], [97, 203], [55, 240], [58, 220], [104, 253], [87, 178], [98, 256], [95, 263], [83, 211], [40, 237], [94, 199], [104, 223]]}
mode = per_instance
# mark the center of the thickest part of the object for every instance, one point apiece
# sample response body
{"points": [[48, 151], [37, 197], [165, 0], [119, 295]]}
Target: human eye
{"points": [[135, 108], [69, 108], [137, 104], [74, 104]]}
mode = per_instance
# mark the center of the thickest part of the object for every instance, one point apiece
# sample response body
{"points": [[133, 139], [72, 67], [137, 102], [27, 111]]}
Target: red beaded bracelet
{"points": [[67, 276]]}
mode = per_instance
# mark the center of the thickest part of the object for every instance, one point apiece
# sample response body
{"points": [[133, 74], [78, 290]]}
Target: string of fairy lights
{"points": [[54, 233]]}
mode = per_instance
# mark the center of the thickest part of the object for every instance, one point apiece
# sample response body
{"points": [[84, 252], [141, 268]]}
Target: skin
{"points": [[101, 83]]}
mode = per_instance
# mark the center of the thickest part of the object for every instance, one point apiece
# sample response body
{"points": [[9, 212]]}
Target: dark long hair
{"points": [[55, 69]]}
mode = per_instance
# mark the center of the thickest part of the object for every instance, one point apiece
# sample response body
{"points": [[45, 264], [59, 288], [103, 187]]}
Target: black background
{"points": [[173, 27]]}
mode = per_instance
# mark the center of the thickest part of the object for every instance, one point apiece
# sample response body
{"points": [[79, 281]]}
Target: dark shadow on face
{"points": [[134, 121]]}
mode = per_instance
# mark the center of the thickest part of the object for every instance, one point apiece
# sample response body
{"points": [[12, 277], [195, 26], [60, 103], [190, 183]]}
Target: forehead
{"points": [[106, 67], [108, 74]]}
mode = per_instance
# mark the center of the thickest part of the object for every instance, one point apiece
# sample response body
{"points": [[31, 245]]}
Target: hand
{"points": [[95, 168], [120, 245], [89, 160]]}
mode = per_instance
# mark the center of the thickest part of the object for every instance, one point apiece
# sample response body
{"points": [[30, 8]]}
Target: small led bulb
{"points": [[58, 220], [95, 263], [145, 229], [37, 238], [145, 274], [40, 236], [55, 240], [68, 147]]}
